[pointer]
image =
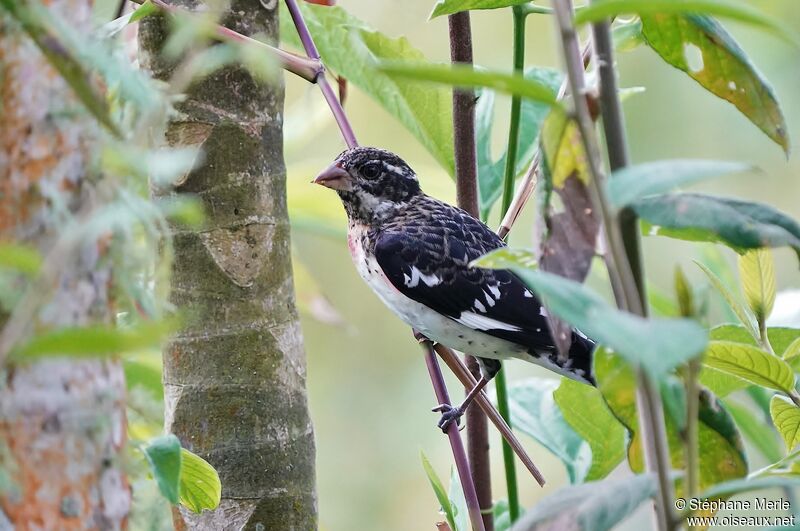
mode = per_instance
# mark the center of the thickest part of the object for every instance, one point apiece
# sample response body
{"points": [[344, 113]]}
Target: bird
{"points": [[415, 252]]}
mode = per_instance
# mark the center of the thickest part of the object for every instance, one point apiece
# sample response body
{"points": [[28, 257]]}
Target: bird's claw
{"points": [[449, 414]]}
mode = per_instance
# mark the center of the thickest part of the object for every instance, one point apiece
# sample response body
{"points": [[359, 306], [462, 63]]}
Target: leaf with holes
{"points": [[585, 410], [732, 9], [635, 182], [751, 364], [739, 224], [200, 487], [352, 49], [786, 417], [534, 412], [703, 48], [757, 273]]}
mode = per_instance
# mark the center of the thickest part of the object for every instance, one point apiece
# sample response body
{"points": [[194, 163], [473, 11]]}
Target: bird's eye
{"points": [[371, 170]]}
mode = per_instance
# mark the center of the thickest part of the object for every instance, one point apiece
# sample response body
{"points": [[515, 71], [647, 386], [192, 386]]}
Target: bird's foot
{"points": [[449, 415]]}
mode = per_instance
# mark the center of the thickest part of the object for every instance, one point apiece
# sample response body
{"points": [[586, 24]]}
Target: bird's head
{"points": [[372, 182]]}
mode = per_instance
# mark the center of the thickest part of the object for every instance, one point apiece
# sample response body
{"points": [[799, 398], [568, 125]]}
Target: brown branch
{"points": [[462, 373], [304, 67], [466, 165]]}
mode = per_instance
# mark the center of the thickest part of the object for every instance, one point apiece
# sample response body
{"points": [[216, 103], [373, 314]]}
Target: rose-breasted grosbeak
{"points": [[414, 252]]}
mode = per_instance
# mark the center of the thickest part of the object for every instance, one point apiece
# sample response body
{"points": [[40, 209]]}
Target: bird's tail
{"points": [[581, 355]]}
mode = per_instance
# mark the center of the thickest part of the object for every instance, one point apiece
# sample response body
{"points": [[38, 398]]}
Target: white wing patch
{"points": [[416, 275], [482, 322]]}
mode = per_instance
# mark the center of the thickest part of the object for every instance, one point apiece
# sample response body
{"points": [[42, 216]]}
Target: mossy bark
{"points": [[235, 376], [62, 422]]}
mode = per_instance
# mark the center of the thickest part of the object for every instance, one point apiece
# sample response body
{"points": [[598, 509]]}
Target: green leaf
{"points": [[22, 258], [731, 9], [534, 412], [595, 506], [145, 10], [738, 486], [438, 489], [585, 410], [627, 36], [683, 292], [53, 40], [702, 48], [721, 451], [751, 364], [753, 428], [757, 273], [744, 316], [720, 383], [144, 373], [458, 502], [200, 487], [506, 258], [352, 49], [94, 341], [502, 515], [781, 338], [465, 76], [164, 455], [792, 351], [786, 417], [738, 224], [448, 7], [635, 182], [659, 345], [532, 114]]}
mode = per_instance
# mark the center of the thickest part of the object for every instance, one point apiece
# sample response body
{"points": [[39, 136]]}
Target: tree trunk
{"points": [[62, 422], [235, 376]]}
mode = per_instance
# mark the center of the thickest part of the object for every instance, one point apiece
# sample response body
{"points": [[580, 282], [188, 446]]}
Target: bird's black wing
{"points": [[425, 255]]}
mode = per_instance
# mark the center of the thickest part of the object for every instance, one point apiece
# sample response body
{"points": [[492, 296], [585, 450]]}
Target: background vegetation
{"points": [[368, 391]]}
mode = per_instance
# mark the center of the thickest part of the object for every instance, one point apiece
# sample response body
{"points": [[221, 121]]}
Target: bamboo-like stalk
{"points": [[518, 59], [466, 164], [629, 296]]}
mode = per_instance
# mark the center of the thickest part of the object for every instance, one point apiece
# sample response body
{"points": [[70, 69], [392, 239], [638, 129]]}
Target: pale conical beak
{"points": [[334, 177]]}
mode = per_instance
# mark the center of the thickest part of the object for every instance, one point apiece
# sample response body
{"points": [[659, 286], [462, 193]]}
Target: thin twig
{"points": [[624, 254], [459, 456], [467, 195], [322, 81], [308, 69], [465, 377]]}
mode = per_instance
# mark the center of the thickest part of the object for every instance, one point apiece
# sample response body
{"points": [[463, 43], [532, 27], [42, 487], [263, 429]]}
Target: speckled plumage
{"points": [[414, 251]]}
